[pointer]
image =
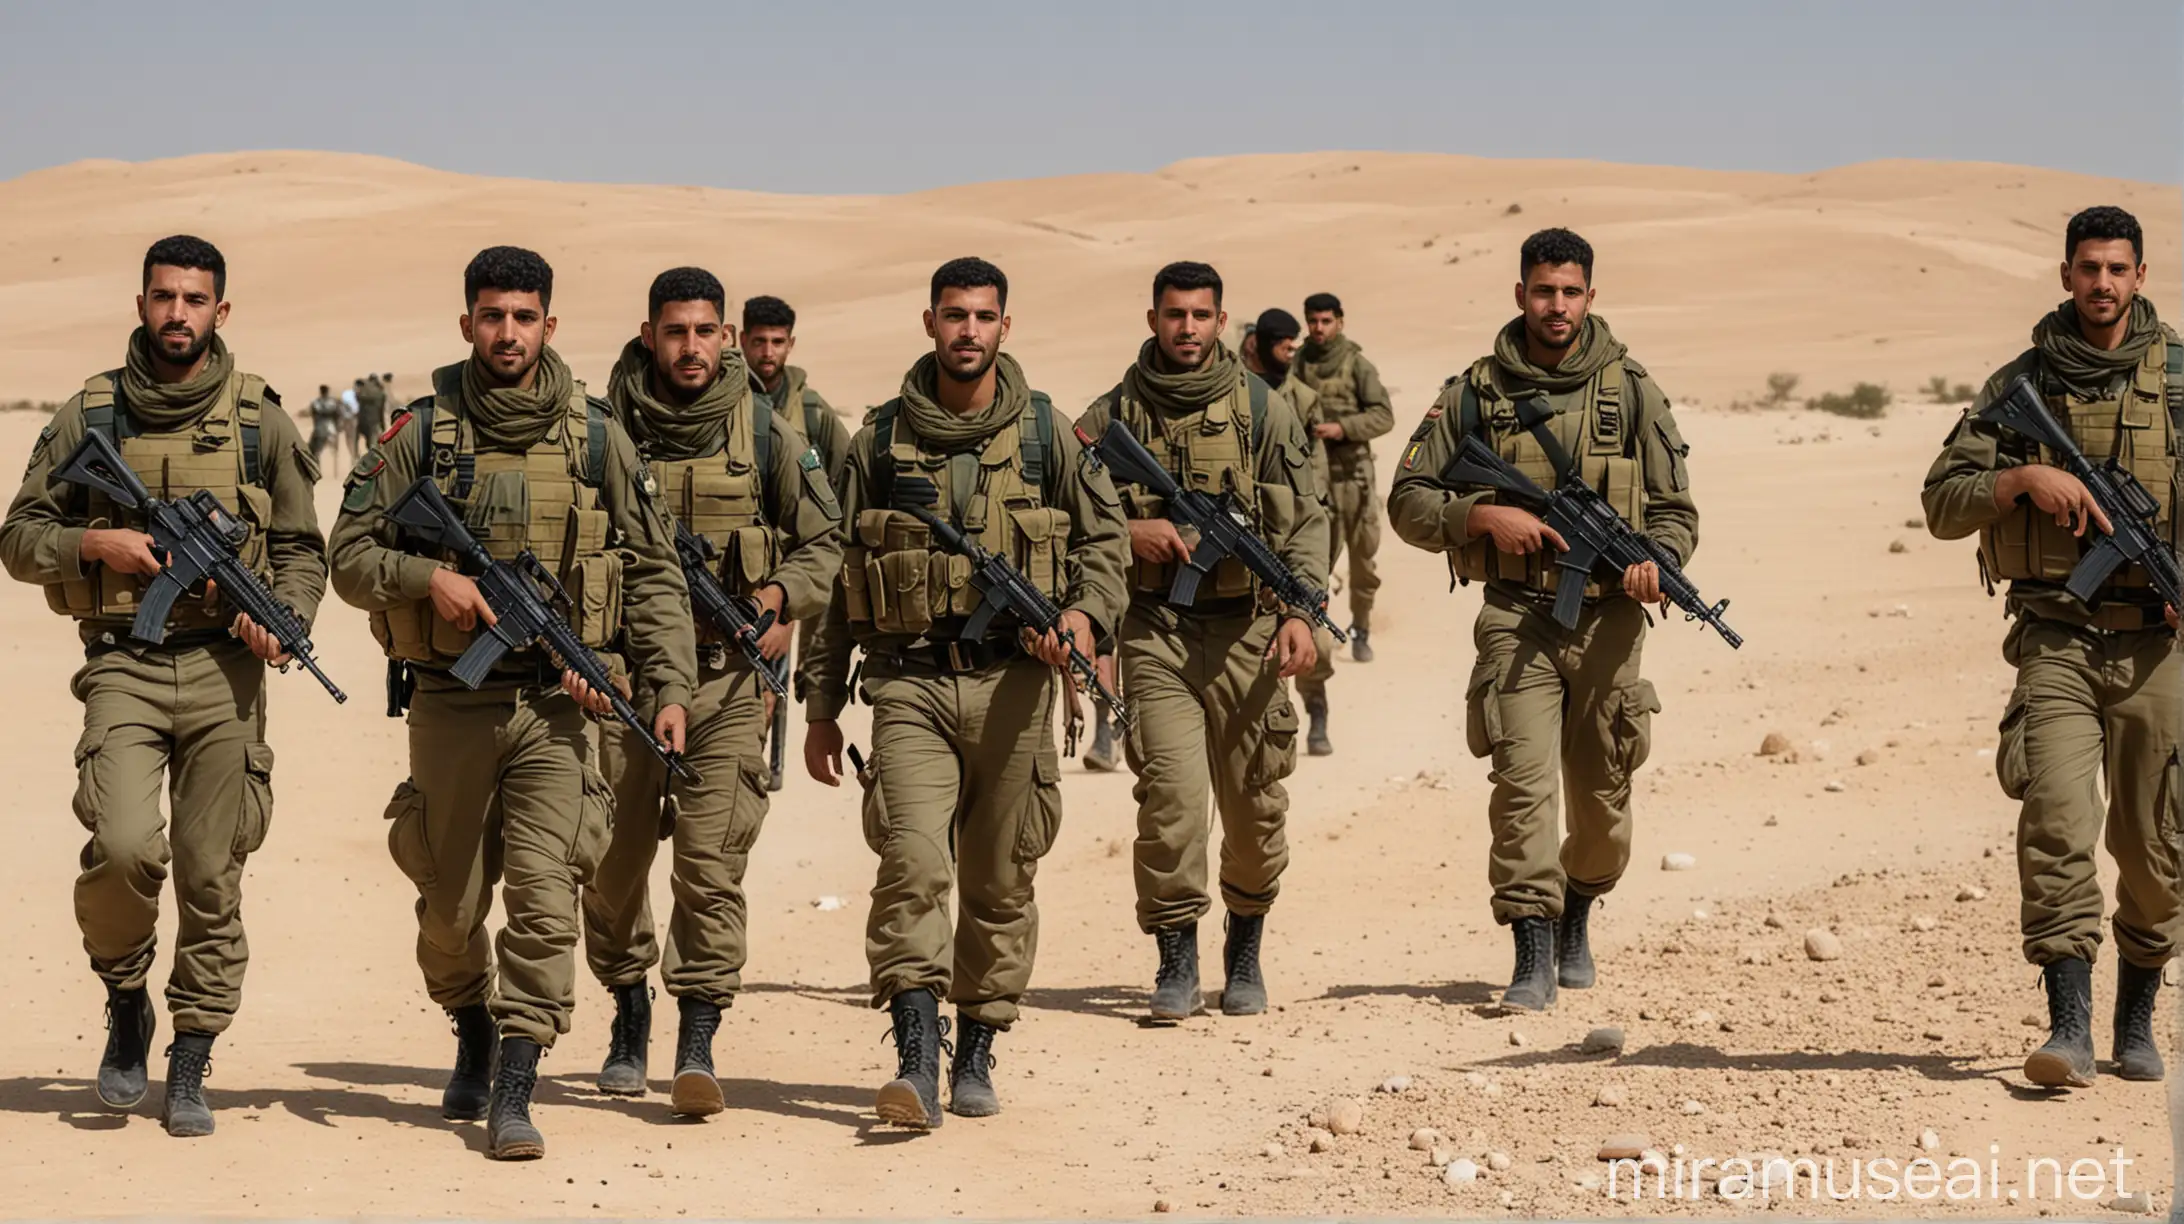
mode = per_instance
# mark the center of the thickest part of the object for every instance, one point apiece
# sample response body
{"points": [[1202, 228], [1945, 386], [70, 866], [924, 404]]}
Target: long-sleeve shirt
{"points": [[1372, 414]]}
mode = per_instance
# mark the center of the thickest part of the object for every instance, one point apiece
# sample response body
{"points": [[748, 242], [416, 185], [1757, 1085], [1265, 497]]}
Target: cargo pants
{"points": [[1567, 721], [1212, 721], [1353, 515], [713, 823], [195, 720], [966, 795], [2090, 705], [502, 790]]}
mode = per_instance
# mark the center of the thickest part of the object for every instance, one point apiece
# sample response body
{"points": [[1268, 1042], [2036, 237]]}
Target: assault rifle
{"points": [[1223, 530], [1600, 541], [195, 539], [2131, 510], [530, 607], [1004, 587], [726, 612]]}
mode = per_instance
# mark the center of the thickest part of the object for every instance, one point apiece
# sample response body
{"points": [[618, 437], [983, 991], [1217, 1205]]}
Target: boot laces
{"points": [[2138, 1009], [512, 1082], [1527, 954], [470, 1047], [907, 1033], [626, 1036], [1173, 943], [977, 1057], [190, 1068]]}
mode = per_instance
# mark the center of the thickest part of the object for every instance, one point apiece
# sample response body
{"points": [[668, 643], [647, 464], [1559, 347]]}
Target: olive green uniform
{"points": [[770, 512], [191, 709], [1351, 396], [1211, 714], [966, 780], [1563, 713], [502, 785], [2098, 691], [1304, 402], [822, 427]]}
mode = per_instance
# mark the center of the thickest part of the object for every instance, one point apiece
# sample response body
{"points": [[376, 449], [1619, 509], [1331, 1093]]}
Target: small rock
{"points": [[1917, 524], [1499, 1161], [1928, 1140], [1898, 546], [1272, 1151], [1441, 1156], [2033, 1020], [1775, 921], [826, 904], [1162, 1206], [1508, 1198], [1346, 1116], [1423, 1139], [1459, 1171], [1603, 1041], [1395, 1083], [1517, 1037], [1923, 922], [1771, 821], [1611, 1095], [1821, 944], [1702, 1019], [1317, 1119], [1693, 1109], [1653, 1160], [1834, 786], [1971, 892], [1937, 981], [1587, 1182], [1775, 744], [1475, 1079], [1319, 1141], [1869, 757], [1626, 1146], [1831, 996], [2136, 1202], [1678, 861]]}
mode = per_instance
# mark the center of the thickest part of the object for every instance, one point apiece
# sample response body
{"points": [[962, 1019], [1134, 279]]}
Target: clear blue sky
{"points": [[870, 97]]}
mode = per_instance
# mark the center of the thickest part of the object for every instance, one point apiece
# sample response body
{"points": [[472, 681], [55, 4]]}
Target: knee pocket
{"points": [[1275, 757], [1042, 818], [257, 814], [594, 824], [1482, 716], [89, 800], [407, 842], [873, 807], [748, 815], [1635, 706], [2012, 768]]}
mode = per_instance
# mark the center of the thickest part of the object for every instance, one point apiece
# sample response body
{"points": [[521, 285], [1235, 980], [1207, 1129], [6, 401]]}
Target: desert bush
{"points": [[1865, 402], [1780, 387]]}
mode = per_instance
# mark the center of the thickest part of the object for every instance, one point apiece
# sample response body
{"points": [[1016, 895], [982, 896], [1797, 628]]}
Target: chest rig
{"points": [[895, 579], [220, 452], [1215, 450], [722, 497]]}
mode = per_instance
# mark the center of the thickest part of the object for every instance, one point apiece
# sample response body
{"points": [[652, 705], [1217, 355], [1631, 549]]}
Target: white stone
{"points": [[1678, 861]]}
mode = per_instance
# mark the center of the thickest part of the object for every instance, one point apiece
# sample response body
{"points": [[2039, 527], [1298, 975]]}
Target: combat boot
{"points": [[1243, 992], [912, 1098], [184, 1112], [697, 1093], [1361, 647], [1573, 950], [509, 1134], [1175, 983], [1316, 742], [1532, 986], [2137, 990], [2066, 1061], [629, 1041], [970, 1070], [1100, 757], [130, 1020], [469, 1086]]}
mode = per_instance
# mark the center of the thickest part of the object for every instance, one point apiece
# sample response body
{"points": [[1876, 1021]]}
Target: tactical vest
{"points": [[2135, 422], [896, 579], [722, 496], [219, 452], [544, 501], [1338, 391], [1215, 451], [1599, 435]]}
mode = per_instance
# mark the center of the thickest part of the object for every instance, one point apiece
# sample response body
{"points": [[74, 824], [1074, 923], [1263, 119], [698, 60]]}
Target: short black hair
{"points": [[686, 285], [765, 310], [510, 269], [323, 388], [1323, 301], [188, 251], [2104, 223], [1554, 246], [970, 272], [1187, 275], [1274, 326]]}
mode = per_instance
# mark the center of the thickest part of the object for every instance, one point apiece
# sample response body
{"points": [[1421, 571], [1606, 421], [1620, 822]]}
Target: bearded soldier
{"points": [[740, 476], [1543, 701], [190, 710], [1267, 349], [502, 784], [1354, 410], [2095, 707], [965, 776], [1208, 683]]}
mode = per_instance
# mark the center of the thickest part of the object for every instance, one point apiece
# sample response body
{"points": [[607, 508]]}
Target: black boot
{"points": [[1243, 991], [1316, 742], [630, 1041], [1100, 757], [970, 1070], [1532, 986], [470, 1084], [697, 1093], [2137, 1056], [1175, 983], [1573, 952], [2066, 1061], [184, 1112], [912, 1098], [509, 1134], [130, 1021], [1361, 649]]}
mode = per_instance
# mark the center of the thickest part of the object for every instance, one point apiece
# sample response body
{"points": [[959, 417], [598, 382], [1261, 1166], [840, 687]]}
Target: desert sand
{"points": [[1881, 666]]}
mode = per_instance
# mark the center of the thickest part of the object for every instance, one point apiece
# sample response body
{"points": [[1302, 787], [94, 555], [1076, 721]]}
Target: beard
{"points": [[199, 342], [493, 371], [985, 363], [663, 376], [1539, 335]]}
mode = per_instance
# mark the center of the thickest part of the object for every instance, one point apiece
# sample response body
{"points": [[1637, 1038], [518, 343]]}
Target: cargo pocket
{"points": [[594, 584], [1042, 808], [856, 593], [1634, 724], [595, 825], [406, 840], [2010, 766], [749, 814], [1276, 757], [750, 559], [89, 802], [257, 815], [1040, 536], [1482, 716], [2169, 819]]}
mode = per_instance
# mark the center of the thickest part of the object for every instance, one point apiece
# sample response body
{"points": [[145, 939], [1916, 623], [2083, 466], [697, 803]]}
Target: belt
{"points": [[957, 657], [190, 639], [535, 671], [1207, 607], [2113, 617]]}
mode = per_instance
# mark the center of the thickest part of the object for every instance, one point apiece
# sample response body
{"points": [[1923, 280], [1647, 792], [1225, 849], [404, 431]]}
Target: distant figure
{"points": [[371, 411], [1354, 410], [325, 422], [352, 403]]}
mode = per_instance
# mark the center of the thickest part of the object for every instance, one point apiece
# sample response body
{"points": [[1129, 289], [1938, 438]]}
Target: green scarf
{"points": [[511, 418], [1596, 346], [944, 429], [682, 431], [164, 405], [1322, 362], [2083, 368], [1150, 382]]}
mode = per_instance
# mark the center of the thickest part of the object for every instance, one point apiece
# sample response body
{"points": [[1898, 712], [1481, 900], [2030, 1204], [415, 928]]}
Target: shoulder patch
{"points": [[1410, 455], [272, 397], [810, 460], [395, 426], [1433, 413], [38, 451]]}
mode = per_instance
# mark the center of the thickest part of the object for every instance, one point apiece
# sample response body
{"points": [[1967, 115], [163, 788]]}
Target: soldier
{"points": [[1542, 700], [352, 406], [501, 782], [740, 476], [371, 412], [1267, 349], [191, 709], [2095, 707], [965, 773], [325, 421], [1354, 410], [1208, 683]]}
